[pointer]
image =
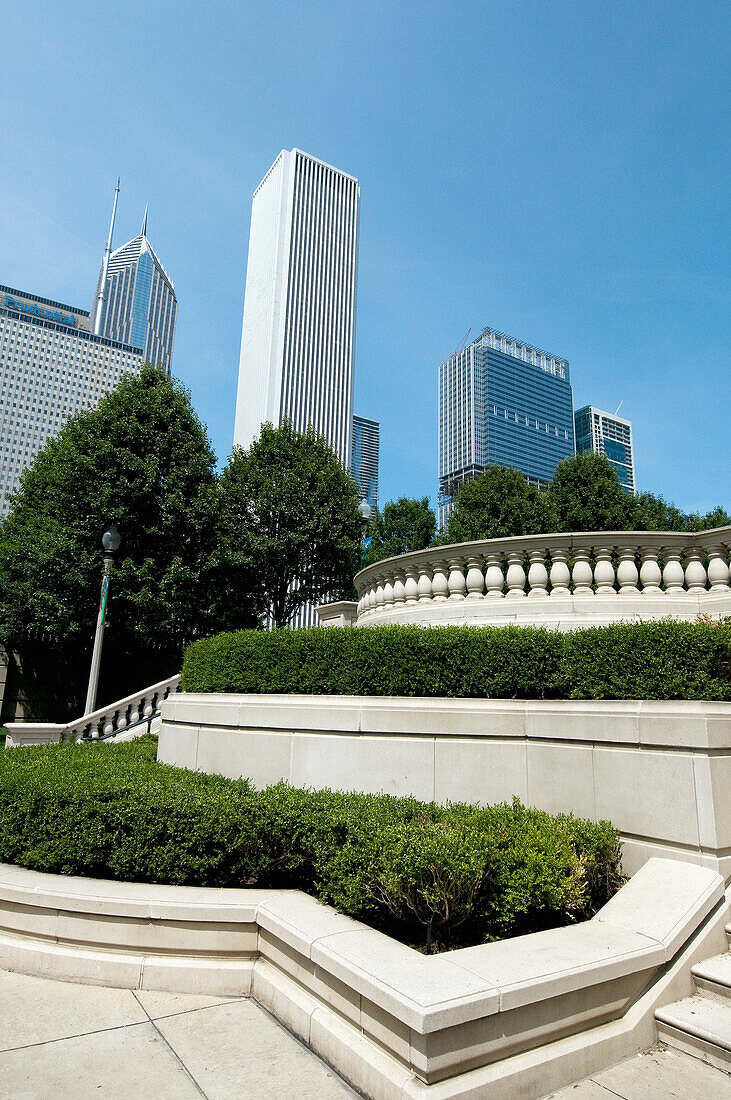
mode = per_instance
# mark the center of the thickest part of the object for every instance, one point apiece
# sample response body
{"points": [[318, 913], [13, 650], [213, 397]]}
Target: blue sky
{"points": [[557, 170]]}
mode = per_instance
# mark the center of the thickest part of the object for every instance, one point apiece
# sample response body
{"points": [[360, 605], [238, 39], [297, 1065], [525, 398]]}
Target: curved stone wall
{"points": [[563, 580]]}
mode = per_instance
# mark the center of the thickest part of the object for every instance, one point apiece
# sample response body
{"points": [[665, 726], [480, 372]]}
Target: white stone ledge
{"points": [[391, 1020]]}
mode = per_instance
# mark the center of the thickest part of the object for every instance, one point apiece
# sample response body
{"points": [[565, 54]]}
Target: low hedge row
{"points": [[660, 660], [475, 873]]}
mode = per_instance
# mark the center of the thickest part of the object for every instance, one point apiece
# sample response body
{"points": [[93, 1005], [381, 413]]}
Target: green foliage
{"points": [[291, 508], [498, 504], [111, 811], [662, 660], [586, 495], [403, 526], [140, 459]]}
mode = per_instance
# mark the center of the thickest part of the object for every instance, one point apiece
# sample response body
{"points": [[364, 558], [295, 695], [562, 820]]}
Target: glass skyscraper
{"points": [[139, 306], [364, 465], [607, 434], [504, 402]]}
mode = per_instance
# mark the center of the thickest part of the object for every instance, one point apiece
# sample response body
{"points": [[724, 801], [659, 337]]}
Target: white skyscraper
{"points": [[298, 335]]}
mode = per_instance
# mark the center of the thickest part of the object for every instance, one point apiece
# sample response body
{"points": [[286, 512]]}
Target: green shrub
{"points": [[111, 811], [660, 660]]}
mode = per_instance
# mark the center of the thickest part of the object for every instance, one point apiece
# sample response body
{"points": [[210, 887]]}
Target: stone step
{"points": [[713, 977], [700, 1026]]}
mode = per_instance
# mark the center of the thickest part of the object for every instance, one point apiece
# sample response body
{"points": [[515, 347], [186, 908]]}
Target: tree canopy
{"points": [[141, 460], [586, 495], [291, 508], [404, 525], [498, 504]]}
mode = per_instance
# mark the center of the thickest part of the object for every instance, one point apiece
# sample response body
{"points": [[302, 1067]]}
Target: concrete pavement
{"points": [[82, 1041], [62, 1040]]}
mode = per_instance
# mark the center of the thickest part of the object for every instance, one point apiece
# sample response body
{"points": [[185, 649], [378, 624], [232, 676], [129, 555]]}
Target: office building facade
{"points": [[51, 366], [364, 464], [504, 402], [138, 306], [607, 434], [298, 333]]}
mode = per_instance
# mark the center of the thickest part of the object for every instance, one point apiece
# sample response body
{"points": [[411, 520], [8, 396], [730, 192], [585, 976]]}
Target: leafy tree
{"points": [[404, 525], [652, 513], [498, 504], [290, 507], [141, 460], [586, 495]]}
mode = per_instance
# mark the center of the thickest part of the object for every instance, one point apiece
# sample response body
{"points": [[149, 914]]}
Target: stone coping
{"points": [[648, 722], [421, 1019]]}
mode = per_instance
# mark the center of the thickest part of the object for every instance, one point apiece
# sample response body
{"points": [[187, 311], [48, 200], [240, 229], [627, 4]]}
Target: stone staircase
{"points": [[700, 1025]]}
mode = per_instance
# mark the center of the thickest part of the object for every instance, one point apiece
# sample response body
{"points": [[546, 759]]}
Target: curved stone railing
{"points": [[641, 567], [106, 723]]}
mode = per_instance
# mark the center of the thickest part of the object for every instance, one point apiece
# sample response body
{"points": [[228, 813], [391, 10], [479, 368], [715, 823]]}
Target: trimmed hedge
{"points": [[111, 811], [660, 660]]}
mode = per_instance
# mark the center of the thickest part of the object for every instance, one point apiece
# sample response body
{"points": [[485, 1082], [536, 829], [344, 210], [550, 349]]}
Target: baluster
{"points": [[399, 595], [134, 713], [673, 575], [537, 575], [120, 718], [424, 583], [457, 583], [147, 708], [516, 574], [380, 594], [695, 571], [388, 590], [650, 572], [581, 574], [718, 570], [411, 585], [627, 575], [439, 582], [494, 579], [108, 725], [604, 572], [371, 597], [475, 579], [560, 575]]}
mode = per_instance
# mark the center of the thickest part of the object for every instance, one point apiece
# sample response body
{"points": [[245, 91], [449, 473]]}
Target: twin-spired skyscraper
{"points": [[298, 335]]}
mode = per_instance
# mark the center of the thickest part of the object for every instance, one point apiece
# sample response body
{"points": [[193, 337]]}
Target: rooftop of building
{"points": [[43, 301], [603, 412]]}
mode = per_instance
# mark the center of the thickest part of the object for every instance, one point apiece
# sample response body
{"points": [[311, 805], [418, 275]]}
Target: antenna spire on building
{"points": [[101, 297], [143, 231]]}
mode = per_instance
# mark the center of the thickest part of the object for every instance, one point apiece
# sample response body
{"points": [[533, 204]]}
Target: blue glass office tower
{"points": [[504, 402], [139, 306], [607, 434], [364, 463]]}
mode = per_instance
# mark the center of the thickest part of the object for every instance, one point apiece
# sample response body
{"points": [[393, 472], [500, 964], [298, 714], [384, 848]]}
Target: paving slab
{"points": [[120, 1064], [659, 1074], [238, 1050], [39, 1010], [157, 1004]]}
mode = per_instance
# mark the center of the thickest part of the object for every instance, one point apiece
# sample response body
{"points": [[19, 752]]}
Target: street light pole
{"points": [[365, 514], [111, 540]]}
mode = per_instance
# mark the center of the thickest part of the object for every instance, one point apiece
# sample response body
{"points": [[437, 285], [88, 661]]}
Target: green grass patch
{"points": [[111, 811]]}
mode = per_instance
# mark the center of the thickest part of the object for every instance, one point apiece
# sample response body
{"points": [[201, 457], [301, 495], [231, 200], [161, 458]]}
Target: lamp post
{"points": [[365, 514], [111, 540]]}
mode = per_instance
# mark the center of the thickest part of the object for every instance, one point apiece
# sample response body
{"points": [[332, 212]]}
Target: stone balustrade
{"points": [[110, 722], [649, 574]]}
